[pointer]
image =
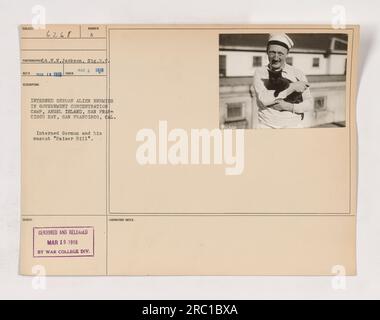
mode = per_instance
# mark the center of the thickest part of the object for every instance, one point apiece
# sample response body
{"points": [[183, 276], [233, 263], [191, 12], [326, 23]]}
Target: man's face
{"points": [[277, 56]]}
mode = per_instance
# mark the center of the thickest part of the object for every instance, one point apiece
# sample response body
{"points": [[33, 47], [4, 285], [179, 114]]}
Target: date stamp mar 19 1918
{"points": [[56, 242]]}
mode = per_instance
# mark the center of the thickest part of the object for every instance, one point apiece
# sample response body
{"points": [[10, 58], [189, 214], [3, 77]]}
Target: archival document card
{"points": [[188, 149]]}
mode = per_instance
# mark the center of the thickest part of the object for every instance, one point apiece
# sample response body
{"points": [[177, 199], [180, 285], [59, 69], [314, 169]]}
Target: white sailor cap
{"points": [[281, 39]]}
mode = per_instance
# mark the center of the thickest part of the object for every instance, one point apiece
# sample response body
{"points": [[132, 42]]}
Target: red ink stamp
{"points": [[63, 242]]}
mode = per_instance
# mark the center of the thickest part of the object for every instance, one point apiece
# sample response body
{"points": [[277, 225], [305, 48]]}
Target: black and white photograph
{"points": [[282, 80]]}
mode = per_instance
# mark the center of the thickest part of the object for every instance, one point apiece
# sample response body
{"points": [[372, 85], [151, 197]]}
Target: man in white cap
{"points": [[282, 92]]}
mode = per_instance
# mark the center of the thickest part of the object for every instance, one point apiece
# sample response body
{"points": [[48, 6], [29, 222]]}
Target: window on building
{"points": [[320, 103], [339, 43], [257, 61], [289, 60], [235, 111], [222, 66], [315, 62]]}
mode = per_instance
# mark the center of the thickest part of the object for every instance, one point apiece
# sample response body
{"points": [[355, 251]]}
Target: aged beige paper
{"points": [[116, 179]]}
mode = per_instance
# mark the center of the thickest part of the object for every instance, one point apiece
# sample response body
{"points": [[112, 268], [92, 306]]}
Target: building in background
{"points": [[322, 57]]}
